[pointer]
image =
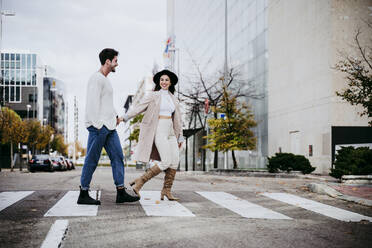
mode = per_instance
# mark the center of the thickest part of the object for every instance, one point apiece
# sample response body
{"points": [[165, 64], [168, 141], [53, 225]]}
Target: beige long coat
{"points": [[150, 105]]}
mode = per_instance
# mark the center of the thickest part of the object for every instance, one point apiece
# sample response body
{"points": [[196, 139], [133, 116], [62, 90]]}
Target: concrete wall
{"points": [[303, 38]]}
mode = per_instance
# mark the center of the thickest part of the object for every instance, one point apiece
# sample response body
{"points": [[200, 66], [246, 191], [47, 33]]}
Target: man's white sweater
{"points": [[99, 108]]}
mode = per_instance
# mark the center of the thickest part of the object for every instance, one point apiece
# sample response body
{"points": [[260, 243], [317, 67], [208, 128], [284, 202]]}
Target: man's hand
{"points": [[118, 120]]}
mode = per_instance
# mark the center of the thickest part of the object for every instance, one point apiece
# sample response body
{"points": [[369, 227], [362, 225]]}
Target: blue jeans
{"points": [[97, 139]]}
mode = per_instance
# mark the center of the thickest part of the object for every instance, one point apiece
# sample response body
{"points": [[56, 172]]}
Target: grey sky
{"points": [[69, 34]]}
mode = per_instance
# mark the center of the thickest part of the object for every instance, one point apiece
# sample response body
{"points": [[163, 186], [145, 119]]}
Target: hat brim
{"points": [[172, 76]]}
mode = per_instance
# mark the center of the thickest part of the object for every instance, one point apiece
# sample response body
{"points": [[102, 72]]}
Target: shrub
{"points": [[288, 162], [352, 161]]}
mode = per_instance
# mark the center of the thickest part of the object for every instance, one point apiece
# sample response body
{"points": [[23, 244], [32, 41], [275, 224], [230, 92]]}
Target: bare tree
{"points": [[200, 87]]}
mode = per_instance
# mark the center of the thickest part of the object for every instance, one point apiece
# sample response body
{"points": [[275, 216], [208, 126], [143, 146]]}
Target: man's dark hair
{"points": [[107, 53]]}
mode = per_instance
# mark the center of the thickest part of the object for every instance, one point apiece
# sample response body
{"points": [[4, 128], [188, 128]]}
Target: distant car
{"points": [[68, 163], [71, 163], [60, 163], [41, 162]]}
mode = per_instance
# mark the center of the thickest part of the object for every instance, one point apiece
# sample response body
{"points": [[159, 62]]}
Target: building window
{"points": [[33, 77], [12, 94], [29, 61], [31, 97], [18, 94], [33, 61], [23, 61]]}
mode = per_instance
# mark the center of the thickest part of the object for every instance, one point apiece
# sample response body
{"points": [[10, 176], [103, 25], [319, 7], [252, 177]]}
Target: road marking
{"points": [[55, 234], [153, 206], [9, 198], [320, 208], [242, 207], [67, 206]]}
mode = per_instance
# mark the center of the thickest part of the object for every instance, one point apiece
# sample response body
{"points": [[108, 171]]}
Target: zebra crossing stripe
{"points": [[242, 207], [317, 207], [67, 206], [9, 198], [153, 206], [55, 234]]}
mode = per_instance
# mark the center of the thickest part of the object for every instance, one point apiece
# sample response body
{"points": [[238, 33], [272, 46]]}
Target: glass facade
{"points": [[200, 39], [18, 70]]}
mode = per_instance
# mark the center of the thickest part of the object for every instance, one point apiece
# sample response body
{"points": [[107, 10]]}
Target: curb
{"points": [[327, 190], [254, 173]]}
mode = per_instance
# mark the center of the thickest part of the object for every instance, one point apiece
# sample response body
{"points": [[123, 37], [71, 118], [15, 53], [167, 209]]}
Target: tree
{"points": [[358, 72], [33, 130], [234, 131], [203, 87], [44, 138], [12, 130], [58, 144]]}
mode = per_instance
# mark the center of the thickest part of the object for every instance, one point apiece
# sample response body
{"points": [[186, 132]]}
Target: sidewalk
{"points": [[322, 184], [361, 191]]}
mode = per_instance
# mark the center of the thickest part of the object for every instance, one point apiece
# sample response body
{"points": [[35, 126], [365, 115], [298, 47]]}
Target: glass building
{"points": [[199, 35], [53, 104], [18, 70], [26, 88], [20, 78]]}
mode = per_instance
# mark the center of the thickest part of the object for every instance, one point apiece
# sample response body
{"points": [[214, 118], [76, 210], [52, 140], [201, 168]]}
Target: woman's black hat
{"points": [[173, 77]]}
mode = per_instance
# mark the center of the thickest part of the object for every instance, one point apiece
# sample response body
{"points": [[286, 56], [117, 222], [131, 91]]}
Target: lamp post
{"points": [[3, 13], [28, 110]]}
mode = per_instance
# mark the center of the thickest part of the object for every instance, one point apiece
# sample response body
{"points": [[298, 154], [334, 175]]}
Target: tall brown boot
{"points": [[168, 182], [139, 182]]}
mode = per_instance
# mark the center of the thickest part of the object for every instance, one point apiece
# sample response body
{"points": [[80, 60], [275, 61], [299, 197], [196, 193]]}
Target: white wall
{"points": [[303, 38]]}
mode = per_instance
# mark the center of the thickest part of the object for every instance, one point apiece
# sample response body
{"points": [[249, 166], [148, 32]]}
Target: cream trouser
{"points": [[166, 143]]}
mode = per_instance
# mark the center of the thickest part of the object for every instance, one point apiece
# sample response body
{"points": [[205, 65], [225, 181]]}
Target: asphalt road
{"points": [[212, 224]]}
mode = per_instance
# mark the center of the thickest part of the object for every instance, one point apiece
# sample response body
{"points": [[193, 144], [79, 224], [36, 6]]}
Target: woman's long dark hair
{"points": [[171, 88]]}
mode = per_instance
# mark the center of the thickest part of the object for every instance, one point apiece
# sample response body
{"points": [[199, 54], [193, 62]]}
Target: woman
{"points": [[160, 134]]}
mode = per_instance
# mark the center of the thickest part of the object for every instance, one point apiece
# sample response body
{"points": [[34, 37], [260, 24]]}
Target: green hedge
{"points": [[288, 162], [352, 161]]}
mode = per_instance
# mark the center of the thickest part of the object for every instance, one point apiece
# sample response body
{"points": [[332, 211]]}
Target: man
{"points": [[101, 121]]}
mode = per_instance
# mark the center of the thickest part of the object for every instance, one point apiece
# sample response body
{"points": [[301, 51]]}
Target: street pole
{"points": [[225, 165]]}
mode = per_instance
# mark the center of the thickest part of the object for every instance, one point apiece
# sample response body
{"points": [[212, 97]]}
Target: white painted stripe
{"points": [[55, 234], [9, 198], [153, 206], [67, 206], [242, 207], [320, 208]]}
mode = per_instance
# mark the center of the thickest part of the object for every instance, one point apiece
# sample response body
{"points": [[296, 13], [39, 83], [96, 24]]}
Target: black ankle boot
{"points": [[84, 198], [122, 196]]}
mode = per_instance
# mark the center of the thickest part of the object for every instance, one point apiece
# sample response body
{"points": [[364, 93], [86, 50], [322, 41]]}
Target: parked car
{"points": [[41, 162], [67, 162], [71, 163], [60, 163]]}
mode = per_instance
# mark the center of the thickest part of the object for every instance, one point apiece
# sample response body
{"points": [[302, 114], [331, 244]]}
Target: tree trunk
{"points": [[234, 159], [186, 159], [193, 147], [204, 152], [215, 160], [11, 156]]}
